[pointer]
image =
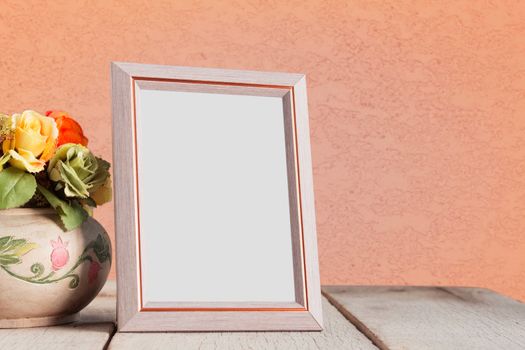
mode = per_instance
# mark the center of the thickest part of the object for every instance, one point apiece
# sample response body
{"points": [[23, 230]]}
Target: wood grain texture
{"points": [[210, 88], [92, 332], [394, 317], [307, 200], [125, 201], [431, 318], [338, 334], [132, 316], [149, 71], [294, 197]]}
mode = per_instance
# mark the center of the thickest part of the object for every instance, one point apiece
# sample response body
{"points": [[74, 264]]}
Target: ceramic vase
{"points": [[47, 275]]}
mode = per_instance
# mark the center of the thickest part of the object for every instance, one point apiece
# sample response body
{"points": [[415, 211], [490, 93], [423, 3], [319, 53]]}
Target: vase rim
{"points": [[27, 211]]}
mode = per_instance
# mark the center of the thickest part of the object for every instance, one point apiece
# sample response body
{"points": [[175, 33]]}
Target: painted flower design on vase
{"points": [[59, 255], [94, 269], [96, 253]]}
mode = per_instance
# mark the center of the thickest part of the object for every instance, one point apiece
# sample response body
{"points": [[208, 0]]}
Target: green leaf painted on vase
{"points": [[9, 259], [15, 243], [102, 249], [18, 247], [4, 243], [25, 248], [72, 214], [11, 250], [16, 188]]}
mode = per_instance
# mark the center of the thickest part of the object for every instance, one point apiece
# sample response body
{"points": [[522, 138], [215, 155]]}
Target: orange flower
{"points": [[69, 131]]}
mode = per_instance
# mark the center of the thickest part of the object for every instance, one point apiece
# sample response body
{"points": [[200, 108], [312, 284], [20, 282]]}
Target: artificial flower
{"points": [[5, 127], [5, 132], [103, 194], [77, 171], [69, 131], [32, 141]]}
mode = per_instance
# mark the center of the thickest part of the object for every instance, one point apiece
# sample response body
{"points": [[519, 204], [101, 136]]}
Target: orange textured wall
{"points": [[417, 113]]}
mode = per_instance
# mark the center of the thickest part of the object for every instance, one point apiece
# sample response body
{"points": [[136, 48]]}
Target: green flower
{"points": [[77, 171]]}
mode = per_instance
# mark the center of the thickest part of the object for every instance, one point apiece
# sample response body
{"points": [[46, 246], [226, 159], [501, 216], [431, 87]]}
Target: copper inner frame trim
{"points": [[298, 186]]}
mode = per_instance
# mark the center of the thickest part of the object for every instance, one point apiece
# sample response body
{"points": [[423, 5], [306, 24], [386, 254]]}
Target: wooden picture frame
{"points": [[135, 315]]}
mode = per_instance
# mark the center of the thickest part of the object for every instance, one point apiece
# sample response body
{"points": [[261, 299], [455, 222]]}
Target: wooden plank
{"points": [[91, 332], [210, 74], [124, 194], [432, 317], [338, 334]]}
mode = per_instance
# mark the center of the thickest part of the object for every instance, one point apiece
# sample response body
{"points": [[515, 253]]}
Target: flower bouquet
{"points": [[45, 162], [47, 173]]}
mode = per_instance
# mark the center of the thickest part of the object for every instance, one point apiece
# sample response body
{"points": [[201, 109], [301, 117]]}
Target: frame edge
{"points": [[129, 316], [124, 195], [308, 202]]}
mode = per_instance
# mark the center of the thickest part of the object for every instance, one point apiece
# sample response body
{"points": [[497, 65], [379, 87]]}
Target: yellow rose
{"points": [[33, 141]]}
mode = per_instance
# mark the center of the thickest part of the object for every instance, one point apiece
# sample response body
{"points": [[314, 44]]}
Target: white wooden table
{"points": [[355, 318]]}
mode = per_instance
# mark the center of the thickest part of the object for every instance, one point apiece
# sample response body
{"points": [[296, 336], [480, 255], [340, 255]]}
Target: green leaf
{"points": [[19, 247], [24, 249], [16, 188], [89, 201], [72, 214], [11, 250], [15, 243], [4, 243], [102, 249], [9, 259]]}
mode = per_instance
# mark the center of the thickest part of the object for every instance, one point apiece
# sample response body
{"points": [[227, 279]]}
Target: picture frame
{"points": [[211, 250]]}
